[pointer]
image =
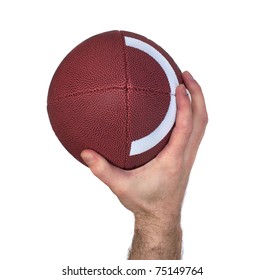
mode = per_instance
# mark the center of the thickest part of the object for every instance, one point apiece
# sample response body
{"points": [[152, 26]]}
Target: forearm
{"points": [[156, 239]]}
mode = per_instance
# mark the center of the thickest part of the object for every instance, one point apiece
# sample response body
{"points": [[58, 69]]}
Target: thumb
{"points": [[112, 176]]}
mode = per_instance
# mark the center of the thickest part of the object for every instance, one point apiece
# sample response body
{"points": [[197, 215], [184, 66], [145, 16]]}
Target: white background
{"points": [[54, 213]]}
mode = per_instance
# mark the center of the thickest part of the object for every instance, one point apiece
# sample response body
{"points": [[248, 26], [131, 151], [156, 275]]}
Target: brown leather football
{"points": [[115, 94]]}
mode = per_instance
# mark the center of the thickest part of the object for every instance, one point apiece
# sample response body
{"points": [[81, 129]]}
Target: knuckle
{"points": [[198, 87], [98, 168], [204, 119], [120, 192], [175, 169], [185, 126]]}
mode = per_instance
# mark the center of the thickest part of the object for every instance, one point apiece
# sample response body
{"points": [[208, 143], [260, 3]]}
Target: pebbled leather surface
{"points": [[104, 95]]}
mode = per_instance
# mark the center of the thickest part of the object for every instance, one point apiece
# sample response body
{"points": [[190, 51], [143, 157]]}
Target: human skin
{"points": [[155, 191]]}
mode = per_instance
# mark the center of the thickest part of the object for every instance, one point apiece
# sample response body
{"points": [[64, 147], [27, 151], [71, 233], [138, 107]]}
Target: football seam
{"points": [[104, 90], [126, 100]]}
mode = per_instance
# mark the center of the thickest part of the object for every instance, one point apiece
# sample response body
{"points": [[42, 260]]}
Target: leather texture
{"points": [[104, 95]]}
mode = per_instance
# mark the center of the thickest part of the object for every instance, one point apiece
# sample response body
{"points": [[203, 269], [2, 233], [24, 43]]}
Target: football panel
{"points": [[92, 121], [158, 48], [146, 111], [90, 66], [144, 72]]}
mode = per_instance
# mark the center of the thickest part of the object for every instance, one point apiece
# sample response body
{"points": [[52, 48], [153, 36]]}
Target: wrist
{"points": [[157, 228], [158, 219], [156, 238]]}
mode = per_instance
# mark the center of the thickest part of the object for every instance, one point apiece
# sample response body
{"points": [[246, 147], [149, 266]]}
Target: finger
{"points": [[197, 99], [109, 174], [200, 117], [183, 126]]}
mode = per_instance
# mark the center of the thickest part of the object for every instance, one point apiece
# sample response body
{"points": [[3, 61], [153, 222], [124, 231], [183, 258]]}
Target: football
{"points": [[115, 94]]}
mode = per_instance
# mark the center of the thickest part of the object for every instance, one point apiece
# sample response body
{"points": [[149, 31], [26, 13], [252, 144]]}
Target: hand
{"points": [[155, 191]]}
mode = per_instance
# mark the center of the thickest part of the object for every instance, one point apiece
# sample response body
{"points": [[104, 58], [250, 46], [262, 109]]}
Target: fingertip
{"points": [[182, 97], [191, 84], [95, 162], [181, 89], [88, 156], [187, 76]]}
